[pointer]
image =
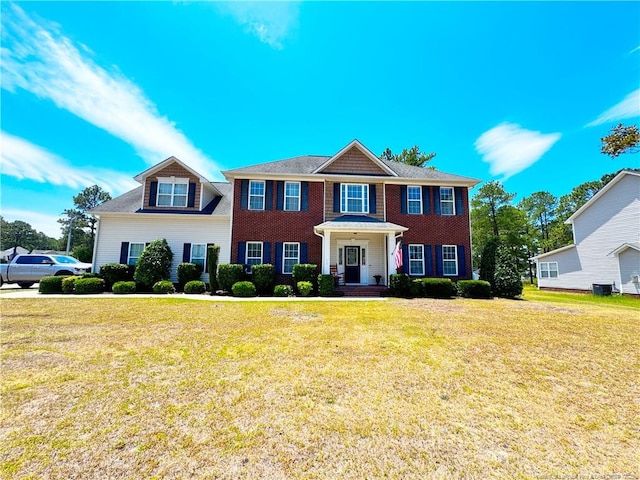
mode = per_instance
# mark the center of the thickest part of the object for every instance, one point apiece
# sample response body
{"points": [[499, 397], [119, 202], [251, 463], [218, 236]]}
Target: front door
{"points": [[352, 264]]}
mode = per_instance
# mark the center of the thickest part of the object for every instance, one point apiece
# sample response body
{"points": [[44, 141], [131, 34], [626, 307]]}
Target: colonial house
{"points": [[346, 212], [606, 248]]}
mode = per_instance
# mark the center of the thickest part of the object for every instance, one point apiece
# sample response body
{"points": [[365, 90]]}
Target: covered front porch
{"points": [[358, 250]]}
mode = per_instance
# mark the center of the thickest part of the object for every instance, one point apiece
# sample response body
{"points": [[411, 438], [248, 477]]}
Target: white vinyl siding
{"points": [[548, 269], [414, 200], [256, 195], [447, 201], [292, 196], [416, 260], [449, 260], [198, 254], [354, 198], [290, 256], [135, 249]]}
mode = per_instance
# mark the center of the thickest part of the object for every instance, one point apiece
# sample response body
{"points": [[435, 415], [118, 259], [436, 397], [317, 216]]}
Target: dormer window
{"points": [[355, 198], [172, 192]]}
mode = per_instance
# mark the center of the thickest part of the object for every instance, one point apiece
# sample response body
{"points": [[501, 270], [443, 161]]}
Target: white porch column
{"points": [[391, 263], [326, 253]]}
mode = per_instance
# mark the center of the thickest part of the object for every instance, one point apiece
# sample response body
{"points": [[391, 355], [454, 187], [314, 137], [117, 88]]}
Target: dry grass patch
{"points": [[169, 388]]}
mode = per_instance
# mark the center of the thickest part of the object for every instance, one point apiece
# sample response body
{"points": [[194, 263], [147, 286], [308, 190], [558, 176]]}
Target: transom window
{"points": [[414, 199], [256, 195], [172, 192], [449, 260], [416, 259], [548, 269], [135, 249], [290, 256], [198, 254], [355, 198], [292, 196], [447, 202], [254, 254]]}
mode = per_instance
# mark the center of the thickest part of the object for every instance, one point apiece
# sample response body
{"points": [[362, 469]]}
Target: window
{"points": [[135, 249], [254, 254], [447, 206], [290, 256], [292, 196], [256, 195], [416, 259], [414, 200], [198, 254], [355, 198], [449, 260], [548, 269], [172, 192]]}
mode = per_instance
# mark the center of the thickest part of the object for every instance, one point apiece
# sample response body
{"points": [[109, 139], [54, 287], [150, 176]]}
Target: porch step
{"points": [[361, 290]]}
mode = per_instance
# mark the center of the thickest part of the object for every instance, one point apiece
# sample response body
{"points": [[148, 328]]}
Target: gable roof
{"points": [[159, 166], [625, 246], [367, 153]]}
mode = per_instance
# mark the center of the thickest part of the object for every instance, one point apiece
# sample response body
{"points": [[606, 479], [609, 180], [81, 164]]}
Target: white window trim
{"points": [[414, 200], [131, 244], [455, 251], [204, 259], [298, 197], [344, 200], [421, 274], [173, 181], [264, 190], [547, 269], [284, 249], [452, 201], [246, 253]]}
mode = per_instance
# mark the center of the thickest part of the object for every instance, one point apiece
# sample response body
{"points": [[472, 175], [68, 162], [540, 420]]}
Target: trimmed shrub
{"points": [[326, 285], [187, 272], [507, 281], [283, 291], [439, 288], [264, 278], [68, 283], [229, 274], [474, 288], [305, 272], [195, 286], [400, 285], [154, 263], [416, 290], [116, 272], [122, 288], [89, 285], [243, 289], [51, 284], [305, 288], [164, 286], [213, 254]]}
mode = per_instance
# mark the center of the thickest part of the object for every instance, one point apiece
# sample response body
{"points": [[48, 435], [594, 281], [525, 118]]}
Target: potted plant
{"points": [[378, 278]]}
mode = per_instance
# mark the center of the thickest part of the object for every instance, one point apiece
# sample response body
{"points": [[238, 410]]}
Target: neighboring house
{"points": [[8, 254], [606, 249], [344, 212]]}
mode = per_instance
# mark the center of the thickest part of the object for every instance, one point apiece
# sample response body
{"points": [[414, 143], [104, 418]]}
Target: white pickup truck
{"points": [[27, 269]]}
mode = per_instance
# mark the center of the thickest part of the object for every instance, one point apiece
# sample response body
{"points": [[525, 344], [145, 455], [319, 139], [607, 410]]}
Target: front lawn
{"points": [[173, 388]]}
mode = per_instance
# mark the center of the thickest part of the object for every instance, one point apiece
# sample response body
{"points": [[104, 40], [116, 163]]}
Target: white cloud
{"points": [[627, 108], [24, 160], [635, 49], [509, 148], [36, 57], [271, 22], [41, 222]]}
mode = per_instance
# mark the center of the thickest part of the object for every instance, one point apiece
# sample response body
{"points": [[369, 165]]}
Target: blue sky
{"points": [[96, 92]]}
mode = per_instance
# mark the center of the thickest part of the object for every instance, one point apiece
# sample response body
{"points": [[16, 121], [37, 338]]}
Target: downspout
{"points": [[322, 246], [95, 246]]}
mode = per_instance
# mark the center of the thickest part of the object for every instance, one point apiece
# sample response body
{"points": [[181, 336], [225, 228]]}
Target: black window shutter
{"points": [[153, 193], [439, 262], [405, 258], [186, 252], [428, 259], [403, 199], [278, 264], [372, 198], [336, 198], [191, 199], [436, 200], [206, 258], [124, 252], [244, 194], [426, 193], [459, 204], [241, 252], [266, 252], [268, 195], [462, 262], [303, 253], [279, 195], [304, 196]]}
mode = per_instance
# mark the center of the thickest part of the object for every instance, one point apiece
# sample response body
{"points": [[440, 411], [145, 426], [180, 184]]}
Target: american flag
{"points": [[397, 255]]}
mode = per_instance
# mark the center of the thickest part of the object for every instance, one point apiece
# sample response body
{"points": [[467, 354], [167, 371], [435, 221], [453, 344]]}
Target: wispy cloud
{"points": [[38, 58], [627, 108], [24, 160], [41, 222], [509, 148], [271, 22], [635, 49]]}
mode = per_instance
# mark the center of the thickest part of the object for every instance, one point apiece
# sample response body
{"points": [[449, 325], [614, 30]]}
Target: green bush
{"points": [[82, 253], [68, 283], [195, 286], [229, 274], [507, 281], [305, 288], [283, 291], [51, 284], [416, 290], [89, 285], [116, 272], [213, 254], [400, 285], [439, 288], [243, 289], [164, 286], [264, 278], [305, 272], [474, 288], [124, 287], [488, 261], [154, 263], [326, 285], [188, 272]]}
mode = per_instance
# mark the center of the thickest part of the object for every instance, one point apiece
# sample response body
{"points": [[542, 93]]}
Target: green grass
{"points": [[532, 293], [173, 388]]}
